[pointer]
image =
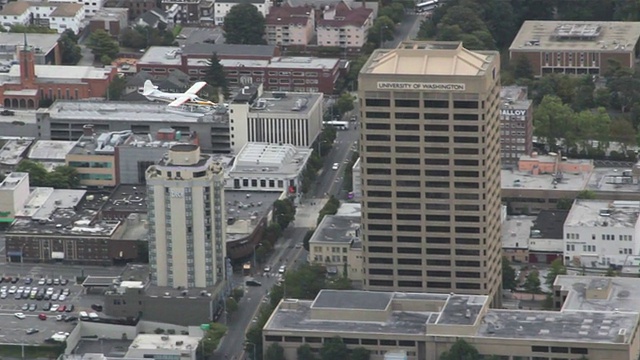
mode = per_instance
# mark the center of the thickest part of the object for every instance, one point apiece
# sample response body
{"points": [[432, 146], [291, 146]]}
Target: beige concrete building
{"points": [[597, 322], [290, 25], [430, 169], [576, 47], [14, 193], [336, 245], [186, 209]]}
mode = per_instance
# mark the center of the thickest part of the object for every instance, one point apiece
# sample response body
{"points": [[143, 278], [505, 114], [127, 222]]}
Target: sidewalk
{"points": [[307, 213]]}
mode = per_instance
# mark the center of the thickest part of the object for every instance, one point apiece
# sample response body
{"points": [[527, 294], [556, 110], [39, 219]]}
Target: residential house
{"points": [[222, 8], [288, 25], [136, 7], [111, 20], [56, 16], [344, 26]]}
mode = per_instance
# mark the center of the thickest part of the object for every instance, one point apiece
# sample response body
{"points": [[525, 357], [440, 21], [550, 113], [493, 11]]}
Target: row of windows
{"points": [[430, 273], [430, 284], [429, 262], [416, 161], [418, 217], [429, 184], [415, 138], [429, 240], [348, 341], [439, 104], [418, 250], [559, 349], [426, 116], [428, 229], [416, 127], [417, 206]]}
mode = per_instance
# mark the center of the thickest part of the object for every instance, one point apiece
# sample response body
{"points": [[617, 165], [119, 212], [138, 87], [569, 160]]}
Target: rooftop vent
{"points": [[605, 212]]}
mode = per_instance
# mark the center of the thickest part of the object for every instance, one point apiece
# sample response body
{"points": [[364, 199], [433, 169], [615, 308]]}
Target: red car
{"points": [[42, 316], [62, 308]]}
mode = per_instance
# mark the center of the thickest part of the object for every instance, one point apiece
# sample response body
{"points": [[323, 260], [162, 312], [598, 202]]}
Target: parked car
{"points": [[56, 282], [25, 307], [62, 308], [54, 307], [47, 306], [33, 307], [42, 282], [83, 315], [42, 316], [253, 282], [70, 308], [20, 315], [6, 112], [70, 319], [15, 280], [49, 282], [32, 331], [96, 307], [28, 281], [64, 282]]}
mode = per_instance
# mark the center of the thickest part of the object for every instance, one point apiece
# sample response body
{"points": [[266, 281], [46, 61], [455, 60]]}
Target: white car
{"points": [[62, 297], [3, 295], [41, 282], [13, 290], [335, 166], [3, 289], [20, 316], [282, 269], [49, 291], [54, 307]]}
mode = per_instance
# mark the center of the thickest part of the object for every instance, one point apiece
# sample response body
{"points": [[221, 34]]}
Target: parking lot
{"points": [[190, 35]]}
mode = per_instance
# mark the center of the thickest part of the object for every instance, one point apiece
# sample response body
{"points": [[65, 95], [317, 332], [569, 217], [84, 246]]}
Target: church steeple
{"points": [[27, 64]]}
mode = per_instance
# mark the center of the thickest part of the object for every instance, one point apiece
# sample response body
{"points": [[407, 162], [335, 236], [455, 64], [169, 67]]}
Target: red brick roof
{"points": [[289, 15], [346, 15]]}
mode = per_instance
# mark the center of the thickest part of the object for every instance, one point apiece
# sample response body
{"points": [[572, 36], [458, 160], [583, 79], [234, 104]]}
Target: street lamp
{"points": [[254, 348]]}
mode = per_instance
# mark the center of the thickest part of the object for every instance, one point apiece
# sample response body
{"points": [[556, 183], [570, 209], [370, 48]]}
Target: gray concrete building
{"points": [[430, 169], [516, 125], [65, 119]]}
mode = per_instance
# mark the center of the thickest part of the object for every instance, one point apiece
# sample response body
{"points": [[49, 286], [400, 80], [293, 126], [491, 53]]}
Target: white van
{"points": [[93, 316], [83, 315]]}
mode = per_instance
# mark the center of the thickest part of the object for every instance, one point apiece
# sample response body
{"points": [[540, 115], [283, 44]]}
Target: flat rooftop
{"points": [[607, 179], [598, 213], [605, 36], [246, 208], [291, 103], [295, 315], [79, 111], [516, 231], [549, 224], [51, 150], [20, 117], [111, 13], [64, 74], [623, 293], [12, 180], [101, 144], [429, 58], [13, 41], [576, 326], [302, 62], [164, 342], [514, 179], [337, 229], [265, 159], [349, 209], [161, 55], [51, 212], [127, 198], [13, 152]]}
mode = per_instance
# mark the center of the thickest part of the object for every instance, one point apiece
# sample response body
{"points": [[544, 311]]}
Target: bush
{"points": [[171, 331], [159, 331], [237, 293]]}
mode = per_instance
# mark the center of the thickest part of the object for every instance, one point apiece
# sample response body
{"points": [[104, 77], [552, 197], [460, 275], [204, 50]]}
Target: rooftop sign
{"points": [[387, 85]]}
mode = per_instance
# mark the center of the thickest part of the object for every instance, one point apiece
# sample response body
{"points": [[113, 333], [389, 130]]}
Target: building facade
{"points": [[392, 325], [222, 8], [111, 20], [290, 26], [186, 202], [345, 27], [430, 169], [516, 125], [597, 232], [58, 16], [14, 193], [336, 245], [576, 47], [275, 118]]}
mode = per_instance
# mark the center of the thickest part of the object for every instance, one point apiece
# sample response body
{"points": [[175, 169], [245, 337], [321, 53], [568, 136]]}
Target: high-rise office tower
{"points": [[430, 169], [186, 210]]}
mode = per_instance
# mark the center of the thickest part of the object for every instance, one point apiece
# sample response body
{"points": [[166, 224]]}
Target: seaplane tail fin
{"points": [[148, 88]]}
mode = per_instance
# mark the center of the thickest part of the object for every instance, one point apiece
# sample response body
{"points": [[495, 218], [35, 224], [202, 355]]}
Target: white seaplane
{"points": [[176, 100]]}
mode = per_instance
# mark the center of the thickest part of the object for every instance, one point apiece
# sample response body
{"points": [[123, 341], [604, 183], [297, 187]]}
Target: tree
{"points": [[522, 68], [70, 52], [232, 305], [622, 131], [215, 76], [345, 103], [116, 88], [283, 212], [244, 24], [360, 353], [329, 208], [586, 195], [557, 268], [103, 46], [70, 177], [381, 30], [551, 119], [532, 282], [394, 11], [307, 238], [274, 352], [509, 280], [37, 172], [334, 349], [304, 353], [31, 29], [461, 350]]}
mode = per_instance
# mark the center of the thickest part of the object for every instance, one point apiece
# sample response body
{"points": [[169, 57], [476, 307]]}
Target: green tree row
{"points": [[141, 37], [62, 177], [304, 282], [330, 208]]}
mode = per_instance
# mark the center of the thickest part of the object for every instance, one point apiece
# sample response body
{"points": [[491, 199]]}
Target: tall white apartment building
{"points": [[186, 207], [598, 232]]}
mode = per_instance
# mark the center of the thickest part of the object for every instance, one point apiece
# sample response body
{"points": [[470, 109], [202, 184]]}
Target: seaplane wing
{"points": [[179, 101], [196, 88]]}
